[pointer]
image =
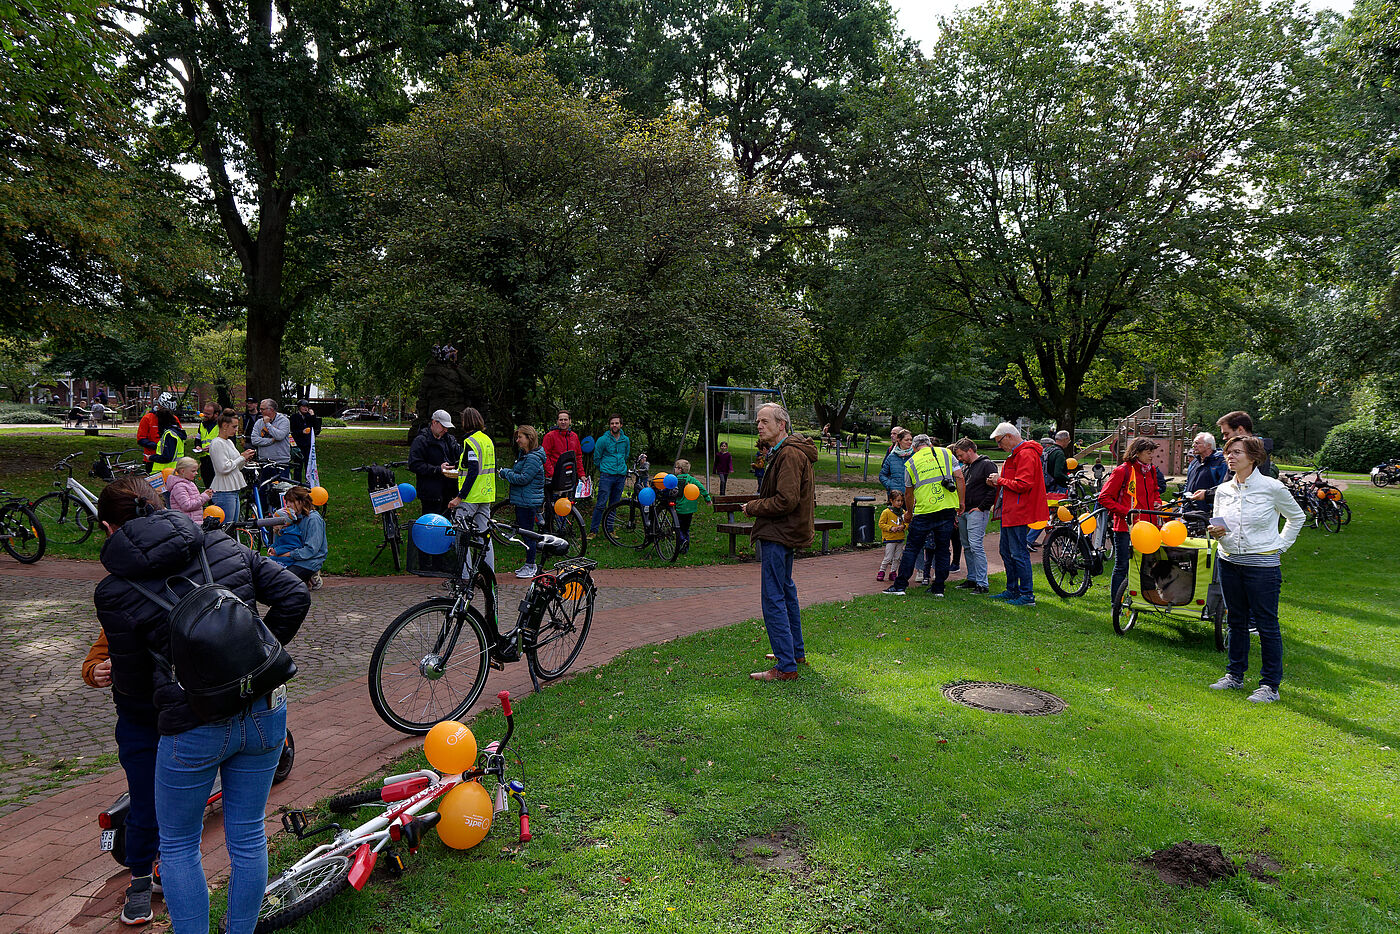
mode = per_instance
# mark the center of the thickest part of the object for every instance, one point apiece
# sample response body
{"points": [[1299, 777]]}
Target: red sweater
{"points": [[1114, 495], [1023, 487], [557, 442], [148, 434]]}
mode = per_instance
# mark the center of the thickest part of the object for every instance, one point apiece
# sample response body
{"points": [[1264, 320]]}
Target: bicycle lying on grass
{"points": [[432, 662], [349, 858]]}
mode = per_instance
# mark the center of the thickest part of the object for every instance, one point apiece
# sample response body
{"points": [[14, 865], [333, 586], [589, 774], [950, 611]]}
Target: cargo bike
{"points": [[1171, 581]]}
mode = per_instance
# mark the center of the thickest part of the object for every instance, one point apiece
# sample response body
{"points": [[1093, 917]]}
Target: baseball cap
{"points": [[443, 419], [1005, 428]]}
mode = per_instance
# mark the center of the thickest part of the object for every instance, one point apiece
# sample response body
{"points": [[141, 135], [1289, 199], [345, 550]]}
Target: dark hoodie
{"points": [[151, 549], [786, 507]]}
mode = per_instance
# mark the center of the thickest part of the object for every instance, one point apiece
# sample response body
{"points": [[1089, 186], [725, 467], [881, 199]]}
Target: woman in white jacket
{"points": [[228, 468], [1247, 510]]}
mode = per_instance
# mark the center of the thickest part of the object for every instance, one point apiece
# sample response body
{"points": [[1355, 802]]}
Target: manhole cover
{"points": [[1003, 698]]}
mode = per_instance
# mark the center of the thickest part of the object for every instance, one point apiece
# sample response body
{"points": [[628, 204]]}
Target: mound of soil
{"points": [[1188, 863]]}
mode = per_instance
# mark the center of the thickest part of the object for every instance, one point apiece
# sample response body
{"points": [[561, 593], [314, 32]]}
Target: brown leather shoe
{"points": [[773, 674], [773, 658]]}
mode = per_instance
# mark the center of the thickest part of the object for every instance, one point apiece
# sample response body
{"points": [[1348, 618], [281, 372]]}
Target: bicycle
{"points": [[629, 524], [21, 532], [569, 527], [349, 858], [381, 477], [112, 464], [1386, 472], [69, 514], [1078, 549], [431, 663]]}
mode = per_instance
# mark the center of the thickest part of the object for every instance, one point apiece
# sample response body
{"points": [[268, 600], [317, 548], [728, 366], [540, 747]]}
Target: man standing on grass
{"points": [[978, 500], [613, 453], [933, 483], [1022, 483], [784, 520]]}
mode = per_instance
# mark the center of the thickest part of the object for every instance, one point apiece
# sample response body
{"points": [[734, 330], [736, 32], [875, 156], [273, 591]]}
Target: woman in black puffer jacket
{"points": [[150, 544]]}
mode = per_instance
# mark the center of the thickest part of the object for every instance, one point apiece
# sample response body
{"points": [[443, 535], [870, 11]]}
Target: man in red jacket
{"points": [[556, 441], [1022, 483]]}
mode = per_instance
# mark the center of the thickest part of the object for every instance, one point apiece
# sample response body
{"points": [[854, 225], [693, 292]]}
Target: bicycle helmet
{"points": [[166, 400]]}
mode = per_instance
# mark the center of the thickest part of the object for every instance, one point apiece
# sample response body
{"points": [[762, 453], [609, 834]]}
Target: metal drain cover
{"points": [[1004, 698]]}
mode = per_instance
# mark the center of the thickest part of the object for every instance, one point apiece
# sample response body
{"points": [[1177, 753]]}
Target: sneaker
{"points": [[981, 590], [316, 582], [894, 590], [592, 535], [880, 575], [527, 570], [1004, 595], [964, 585], [156, 887], [1264, 695], [1033, 546], [954, 569], [1021, 601], [137, 908], [937, 593], [1227, 683]]}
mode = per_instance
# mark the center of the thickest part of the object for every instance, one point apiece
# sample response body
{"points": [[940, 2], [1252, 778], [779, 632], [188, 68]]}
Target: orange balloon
{"points": [[692, 491], [1071, 464], [319, 496], [573, 590], [215, 512], [166, 472], [562, 506], [1174, 533], [1063, 514], [1088, 525], [1334, 495], [1321, 494], [451, 747], [466, 816], [1147, 538], [1038, 525]]}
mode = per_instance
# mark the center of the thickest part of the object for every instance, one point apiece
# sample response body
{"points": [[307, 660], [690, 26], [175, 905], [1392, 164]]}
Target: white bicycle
{"points": [[69, 514]]}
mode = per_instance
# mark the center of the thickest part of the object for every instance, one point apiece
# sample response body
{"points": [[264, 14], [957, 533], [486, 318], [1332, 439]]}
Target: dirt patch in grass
{"points": [[1186, 863], [776, 852], [1264, 868]]}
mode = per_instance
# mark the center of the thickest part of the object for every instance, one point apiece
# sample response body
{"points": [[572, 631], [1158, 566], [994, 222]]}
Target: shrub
{"points": [[1357, 446], [332, 423], [21, 416]]}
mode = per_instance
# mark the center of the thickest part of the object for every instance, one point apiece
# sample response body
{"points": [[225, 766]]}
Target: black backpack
{"points": [[565, 474], [220, 652]]}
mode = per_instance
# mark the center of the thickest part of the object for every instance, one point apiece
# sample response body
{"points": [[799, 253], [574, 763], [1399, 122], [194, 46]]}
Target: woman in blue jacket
{"points": [[301, 545], [526, 481]]}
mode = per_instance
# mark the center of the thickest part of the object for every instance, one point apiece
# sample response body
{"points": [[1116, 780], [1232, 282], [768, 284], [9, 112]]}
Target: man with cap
{"points": [[933, 484], [435, 446], [1022, 483], [305, 425]]}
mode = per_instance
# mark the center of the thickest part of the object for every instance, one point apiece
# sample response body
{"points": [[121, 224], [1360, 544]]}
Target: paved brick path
{"points": [[55, 879]]}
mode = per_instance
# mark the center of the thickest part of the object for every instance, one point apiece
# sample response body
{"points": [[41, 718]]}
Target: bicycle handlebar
{"points": [[391, 465]]}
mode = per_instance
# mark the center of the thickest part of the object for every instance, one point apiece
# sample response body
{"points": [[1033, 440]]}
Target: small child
{"points": [[724, 465], [686, 508], [892, 530], [760, 462], [300, 546]]}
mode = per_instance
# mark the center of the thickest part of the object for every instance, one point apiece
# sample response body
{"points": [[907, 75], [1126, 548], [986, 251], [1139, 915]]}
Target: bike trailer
{"points": [[1172, 577]]}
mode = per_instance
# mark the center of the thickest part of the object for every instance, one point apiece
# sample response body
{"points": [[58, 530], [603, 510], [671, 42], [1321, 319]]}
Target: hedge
{"points": [[1357, 446]]}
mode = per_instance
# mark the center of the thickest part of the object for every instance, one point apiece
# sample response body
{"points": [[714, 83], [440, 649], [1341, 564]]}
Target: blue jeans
{"points": [[230, 503], [1251, 599], [974, 529], [136, 749], [243, 750], [782, 614], [1122, 555], [525, 517], [1017, 559], [610, 487], [934, 530]]}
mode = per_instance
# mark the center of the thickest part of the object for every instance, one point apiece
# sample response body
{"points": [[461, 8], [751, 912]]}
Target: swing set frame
{"points": [[705, 390]]}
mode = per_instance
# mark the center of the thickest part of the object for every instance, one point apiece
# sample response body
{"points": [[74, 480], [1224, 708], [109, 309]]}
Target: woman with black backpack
{"points": [[170, 585]]}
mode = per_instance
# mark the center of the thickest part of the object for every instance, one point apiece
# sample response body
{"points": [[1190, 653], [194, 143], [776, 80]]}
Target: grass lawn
{"points": [[665, 783]]}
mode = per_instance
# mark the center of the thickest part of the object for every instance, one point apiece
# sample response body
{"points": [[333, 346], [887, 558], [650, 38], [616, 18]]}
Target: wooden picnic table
{"points": [[735, 529]]}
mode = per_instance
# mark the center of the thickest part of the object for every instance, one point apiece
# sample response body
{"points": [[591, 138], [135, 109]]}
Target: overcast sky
{"points": [[919, 18]]}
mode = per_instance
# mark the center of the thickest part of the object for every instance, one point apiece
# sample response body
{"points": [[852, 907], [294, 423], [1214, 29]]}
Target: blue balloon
{"points": [[431, 534], [671, 481], [407, 493], [646, 496], [587, 445]]}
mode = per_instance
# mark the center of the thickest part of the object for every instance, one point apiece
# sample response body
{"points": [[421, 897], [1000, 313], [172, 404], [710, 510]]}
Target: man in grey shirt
{"points": [[270, 437]]}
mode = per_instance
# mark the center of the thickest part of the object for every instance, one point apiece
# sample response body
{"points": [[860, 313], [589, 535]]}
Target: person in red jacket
{"points": [[1132, 485], [556, 441], [148, 431], [1022, 483]]}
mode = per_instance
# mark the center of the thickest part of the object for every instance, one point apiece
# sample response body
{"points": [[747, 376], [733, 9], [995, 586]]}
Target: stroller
{"points": [[1172, 582]]}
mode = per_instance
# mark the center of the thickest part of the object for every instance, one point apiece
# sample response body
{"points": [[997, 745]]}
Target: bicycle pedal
{"points": [[497, 664], [294, 822], [393, 863]]}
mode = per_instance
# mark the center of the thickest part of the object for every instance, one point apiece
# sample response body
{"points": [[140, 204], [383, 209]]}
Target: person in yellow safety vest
{"points": [[476, 478], [208, 430], [933, 483], [171, 446]]}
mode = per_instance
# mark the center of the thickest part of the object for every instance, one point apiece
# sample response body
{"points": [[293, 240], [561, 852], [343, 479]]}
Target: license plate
{"points": [[109, 840]]}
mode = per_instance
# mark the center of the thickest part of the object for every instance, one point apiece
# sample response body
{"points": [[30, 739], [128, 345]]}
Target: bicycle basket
{"points": [[448, 564]]}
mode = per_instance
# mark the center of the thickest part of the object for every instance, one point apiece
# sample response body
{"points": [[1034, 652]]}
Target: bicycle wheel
{"points": [[393, 535], [625, 524], [428, 666], [1329, 515], [570, 528], [668, 533], [555, 637], [1346, 512], [1066, 563], [22, 534], [344, 804], [65, 519], [1381, 479], [294, 895], [1124, 616]]}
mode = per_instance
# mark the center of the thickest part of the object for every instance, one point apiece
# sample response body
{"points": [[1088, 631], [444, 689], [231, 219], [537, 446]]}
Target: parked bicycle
{"points": [[21, 532], [350, 857], [629, 523], [69, 514], [1321, 501], [113, 464], [1078, 547], [380, 477], [432, 662]]}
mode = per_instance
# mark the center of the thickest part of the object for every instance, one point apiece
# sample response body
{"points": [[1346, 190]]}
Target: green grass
{"points": [[660, 781]]}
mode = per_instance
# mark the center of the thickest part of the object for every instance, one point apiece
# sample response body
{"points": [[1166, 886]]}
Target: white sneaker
{"points": [[1263, 695], [1227, 683], [316, 582], [528, 570]]}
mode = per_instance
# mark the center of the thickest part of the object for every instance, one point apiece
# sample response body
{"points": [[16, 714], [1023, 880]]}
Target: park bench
{"points": [[735, 529], [730, 503]]}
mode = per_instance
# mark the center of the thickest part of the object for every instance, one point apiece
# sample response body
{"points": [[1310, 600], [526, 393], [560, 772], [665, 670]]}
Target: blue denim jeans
{"points": [[230, 503], [610, 487], [932, 531], [243, 751], [525, 517], [1122, 555], [782, 614], [1017, 559], [974, 528], [1251, 599], [136, 749]]}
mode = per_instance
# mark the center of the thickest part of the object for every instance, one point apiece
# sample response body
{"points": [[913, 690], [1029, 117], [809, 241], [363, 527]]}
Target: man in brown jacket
{"points": [[783, 522]]}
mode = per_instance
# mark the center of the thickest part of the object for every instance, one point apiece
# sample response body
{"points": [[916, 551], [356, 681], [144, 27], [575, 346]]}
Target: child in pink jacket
{"points": [[184, 495]]}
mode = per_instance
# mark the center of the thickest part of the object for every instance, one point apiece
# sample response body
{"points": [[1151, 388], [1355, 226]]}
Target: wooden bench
{"points": [[730, 503], [735, 529]]}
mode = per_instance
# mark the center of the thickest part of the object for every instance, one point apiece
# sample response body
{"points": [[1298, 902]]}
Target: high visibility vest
{"points": [[158, 466], [484, 489], [925, 471], [206, 438]]}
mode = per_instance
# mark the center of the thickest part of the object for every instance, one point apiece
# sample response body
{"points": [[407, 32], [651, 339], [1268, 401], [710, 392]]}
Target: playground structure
{"points": [[1167, 427]]}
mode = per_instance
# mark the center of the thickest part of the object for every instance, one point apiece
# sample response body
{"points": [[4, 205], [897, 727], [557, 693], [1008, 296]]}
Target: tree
{"points": [[20, 362], [116, 360], [1082, 183]]}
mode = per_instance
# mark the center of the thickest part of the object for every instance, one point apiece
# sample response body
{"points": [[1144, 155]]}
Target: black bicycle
{"points": [[432, 662], [21, 532], [628, 523], [381, 477]]}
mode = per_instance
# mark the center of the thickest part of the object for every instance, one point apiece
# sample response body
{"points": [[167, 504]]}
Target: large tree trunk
{"points": [[834, 414]]}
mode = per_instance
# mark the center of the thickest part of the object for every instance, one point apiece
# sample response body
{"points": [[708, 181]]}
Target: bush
{"points": [[11, 414], [332, 423], [1357, 446]]}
